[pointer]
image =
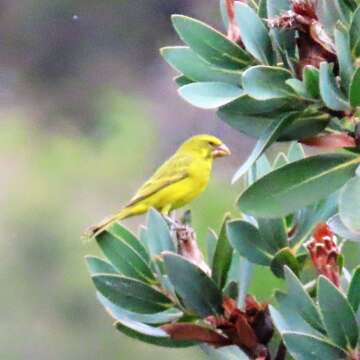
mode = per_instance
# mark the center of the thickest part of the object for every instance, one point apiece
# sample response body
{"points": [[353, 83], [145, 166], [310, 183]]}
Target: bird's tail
{"points": [[106, 223]]}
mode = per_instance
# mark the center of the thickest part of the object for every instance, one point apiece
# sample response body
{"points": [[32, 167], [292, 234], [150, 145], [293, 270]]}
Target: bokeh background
{"points": [[88, 111]]}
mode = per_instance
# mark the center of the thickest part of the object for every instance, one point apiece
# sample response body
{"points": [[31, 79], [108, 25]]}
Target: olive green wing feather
{"points": [[172, 171]]}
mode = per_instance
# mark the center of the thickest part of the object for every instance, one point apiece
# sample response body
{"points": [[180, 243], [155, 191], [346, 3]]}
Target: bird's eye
{"points": [[211, 143]]}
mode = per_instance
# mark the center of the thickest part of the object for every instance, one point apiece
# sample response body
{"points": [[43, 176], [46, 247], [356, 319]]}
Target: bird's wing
{"points": [[173, 170]]}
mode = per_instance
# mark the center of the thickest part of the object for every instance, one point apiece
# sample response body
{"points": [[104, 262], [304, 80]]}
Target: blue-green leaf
{"points": [[118, 313], [185, 60], [343, 51], [339, 228], [349, 200], [99, 266], [123, 257], [246, 239], [308, 218], [267, 82], [332, 96], [298, 184], [149, 334], [210, 44], [286, 318], [354, 290], [158, 234], [121, 232], [254, 34], [339, 317], [196, 289], [222, 257], [301, 301], [268, 137], [211, 241], [210, 95], [355, 33], [308, 347], [131, 294], [311, 78], [354, 95]]}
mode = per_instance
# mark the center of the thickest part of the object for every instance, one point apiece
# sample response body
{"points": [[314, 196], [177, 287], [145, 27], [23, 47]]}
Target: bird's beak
{"points": [[220, 151]]}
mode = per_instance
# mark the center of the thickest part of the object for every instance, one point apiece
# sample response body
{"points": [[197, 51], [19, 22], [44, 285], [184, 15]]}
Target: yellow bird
{"points": [[176, 183]]}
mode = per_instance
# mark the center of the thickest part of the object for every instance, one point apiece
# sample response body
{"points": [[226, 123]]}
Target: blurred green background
{"points": [[88, 111]]}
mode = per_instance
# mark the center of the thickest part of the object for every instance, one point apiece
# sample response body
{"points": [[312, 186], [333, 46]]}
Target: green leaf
{"points": [[311, 78], [222, 257], [250, 125], [118, 313], [301, 301], [296, 152], [308, 347], [211, 242], [185, 60], [131, 294], [231, 290], [210, 95], [149, 334], [99, 266], [284, 257], [196, 289], [121, 232], [354, 290], [299, 88], [343, 51], [308, 123], [245, 271], [332, 96], [286, 318], [308, 218], [254, 34], [349, 201], [262, 11], [246, 239], [123, 257], [298, 185], [355, 88], [250, 106], [182, 80], [274, 233], [355, 33], [158, 234], [268, 137], [339, 317], [267, 82], [210, 44], [251, 116]]}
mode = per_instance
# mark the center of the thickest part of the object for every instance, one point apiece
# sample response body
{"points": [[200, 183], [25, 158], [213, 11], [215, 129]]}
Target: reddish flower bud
{"points": [[233, 29], [314, 44], [330, 141], [324, 253], [250, 329]]}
